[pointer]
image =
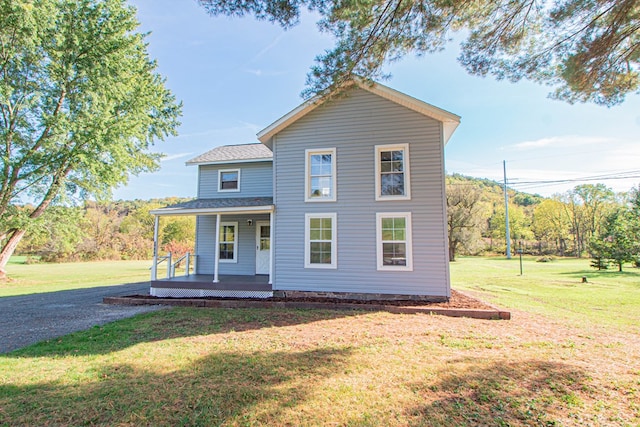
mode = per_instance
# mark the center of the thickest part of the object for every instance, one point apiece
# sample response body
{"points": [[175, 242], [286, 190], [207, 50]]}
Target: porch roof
{"points": [[218, 206]]}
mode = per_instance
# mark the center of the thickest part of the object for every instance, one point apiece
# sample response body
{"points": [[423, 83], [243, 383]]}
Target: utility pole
{"points": [[506, 211]]}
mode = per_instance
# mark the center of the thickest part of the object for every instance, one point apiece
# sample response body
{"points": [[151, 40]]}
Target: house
{"points": [[343, 197]]}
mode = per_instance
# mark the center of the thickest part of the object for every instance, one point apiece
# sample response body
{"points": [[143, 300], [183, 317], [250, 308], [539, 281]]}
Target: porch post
{"points": [[154, 266], [271, 233], [216, 258]]}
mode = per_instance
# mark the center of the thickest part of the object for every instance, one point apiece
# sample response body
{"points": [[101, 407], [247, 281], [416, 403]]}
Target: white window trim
{"points": [[235, 243], [408, 241], [233, 190], [307, 175], [334, 240], [407, 177]]}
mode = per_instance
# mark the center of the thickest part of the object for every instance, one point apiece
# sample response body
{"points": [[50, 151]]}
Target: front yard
{"points": [[557, 362]]}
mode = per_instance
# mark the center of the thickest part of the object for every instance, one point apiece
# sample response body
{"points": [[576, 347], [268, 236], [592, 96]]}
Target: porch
{"points": [[233, 252], [202, 285]]}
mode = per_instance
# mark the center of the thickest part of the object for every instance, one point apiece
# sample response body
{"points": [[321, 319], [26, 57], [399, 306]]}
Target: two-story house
{"points": [[343, 197]]}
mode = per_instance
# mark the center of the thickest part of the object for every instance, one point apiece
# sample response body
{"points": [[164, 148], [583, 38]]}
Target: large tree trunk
{"points": [[16, 235], [8, 250]]}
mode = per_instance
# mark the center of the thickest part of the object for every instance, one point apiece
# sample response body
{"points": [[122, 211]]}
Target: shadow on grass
{"points": [[610, 273], [223, 387], [501, 394], [169, 324]]}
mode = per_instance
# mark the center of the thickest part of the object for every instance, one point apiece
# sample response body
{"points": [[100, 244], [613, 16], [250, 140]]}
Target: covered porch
{"points": [[233, 251]]}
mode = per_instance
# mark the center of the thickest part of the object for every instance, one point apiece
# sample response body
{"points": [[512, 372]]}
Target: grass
{"points": [[38, 278], [548, 366], [609, 298]]}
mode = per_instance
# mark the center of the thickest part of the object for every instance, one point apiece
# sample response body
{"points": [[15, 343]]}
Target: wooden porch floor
{"points": [[205, 281]]}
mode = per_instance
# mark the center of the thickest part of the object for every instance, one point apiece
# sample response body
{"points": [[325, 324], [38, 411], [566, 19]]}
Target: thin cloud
{"points": [[175, 156], [260, 73], [559, 142], [266, 49]]}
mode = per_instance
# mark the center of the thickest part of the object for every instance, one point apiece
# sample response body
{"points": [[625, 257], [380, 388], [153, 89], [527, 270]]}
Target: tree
{"points": [[80, 104], [519, 224], [464, 215], [551, 222], [55, 235], [589, 50], [587, 206], [618, 240]]}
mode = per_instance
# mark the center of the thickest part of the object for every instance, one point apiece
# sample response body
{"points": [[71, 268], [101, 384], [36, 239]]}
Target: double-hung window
{"points": [[392, 172], [320, 233], [320, 175], [393, 240], [228, 249], [229, 180]]}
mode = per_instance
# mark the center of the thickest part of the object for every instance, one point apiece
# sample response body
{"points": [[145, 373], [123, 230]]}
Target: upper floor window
{"points": [[320, 175], [229, 180], [392, 172]]}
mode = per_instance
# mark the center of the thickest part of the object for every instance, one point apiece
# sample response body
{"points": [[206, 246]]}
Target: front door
{"points": [[263, 244]]}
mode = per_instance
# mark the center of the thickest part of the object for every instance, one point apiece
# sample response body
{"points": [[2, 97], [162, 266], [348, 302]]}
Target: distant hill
{"points": [[492, 189]]}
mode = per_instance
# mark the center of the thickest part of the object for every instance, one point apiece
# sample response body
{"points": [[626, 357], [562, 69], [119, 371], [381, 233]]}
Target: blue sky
{"points": [[237, 76]]}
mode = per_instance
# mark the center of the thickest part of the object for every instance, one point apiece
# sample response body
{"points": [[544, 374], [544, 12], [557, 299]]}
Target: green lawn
{"points": [[609, 297], [43, 277], [560, 361]]}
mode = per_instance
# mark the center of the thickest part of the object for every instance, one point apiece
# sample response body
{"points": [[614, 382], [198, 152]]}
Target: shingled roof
{"points": [[233, 153], [210, 206]]}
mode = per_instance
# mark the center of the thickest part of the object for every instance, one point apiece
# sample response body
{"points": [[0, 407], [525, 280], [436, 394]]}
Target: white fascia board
{"points": [[229, 162], [212, 211]]}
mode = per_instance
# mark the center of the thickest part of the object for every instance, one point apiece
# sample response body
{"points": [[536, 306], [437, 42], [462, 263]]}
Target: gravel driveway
{"points": [[28, 319]]}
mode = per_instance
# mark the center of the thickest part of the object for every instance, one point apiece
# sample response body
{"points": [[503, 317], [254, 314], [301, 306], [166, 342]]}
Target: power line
{"points": [[633, 174]]}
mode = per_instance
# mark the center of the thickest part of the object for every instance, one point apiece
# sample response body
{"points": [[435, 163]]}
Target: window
{"points": [[229, 180], [228, 242], [392, 172], [393, 240], [320, 241], [320, 175]]}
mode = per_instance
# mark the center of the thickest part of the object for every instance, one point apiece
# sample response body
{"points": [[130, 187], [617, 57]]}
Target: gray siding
{"points": [[205, 244], [354, 125], [255, 180]]}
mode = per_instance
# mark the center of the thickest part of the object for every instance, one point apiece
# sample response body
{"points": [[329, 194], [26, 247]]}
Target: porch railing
{"points": [[190, 261]]}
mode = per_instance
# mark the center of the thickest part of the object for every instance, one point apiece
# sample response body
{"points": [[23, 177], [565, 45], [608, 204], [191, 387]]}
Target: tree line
{"points": [[590, 220], [118, 230]]}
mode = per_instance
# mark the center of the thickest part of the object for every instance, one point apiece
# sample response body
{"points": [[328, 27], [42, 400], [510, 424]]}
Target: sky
{"points": [[235, 76]]}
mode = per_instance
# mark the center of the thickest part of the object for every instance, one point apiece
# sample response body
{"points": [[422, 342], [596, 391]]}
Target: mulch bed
{"points": [[459, 305], [457, 300]]}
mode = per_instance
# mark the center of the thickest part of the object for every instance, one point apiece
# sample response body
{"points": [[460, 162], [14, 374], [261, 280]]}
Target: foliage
{"points": [[80, 104], [587, 206], [465, 216], [121, 230], [56, 234], [519, 224], [619, 239], [552, 222], [588, 50]]}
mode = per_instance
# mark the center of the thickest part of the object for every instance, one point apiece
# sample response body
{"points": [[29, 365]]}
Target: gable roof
{"points": [[449, 120], [242, 153]]}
